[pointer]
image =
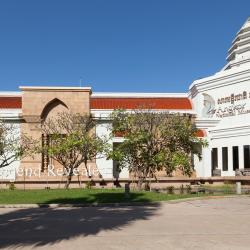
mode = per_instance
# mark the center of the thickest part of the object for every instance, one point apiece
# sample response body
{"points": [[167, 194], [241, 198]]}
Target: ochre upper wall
{"points": [[36, 100]]}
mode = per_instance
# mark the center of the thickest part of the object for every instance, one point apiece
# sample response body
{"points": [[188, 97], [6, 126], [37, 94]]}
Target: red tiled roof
{"points": [[133, 103], [172, 103], [13, 102]]}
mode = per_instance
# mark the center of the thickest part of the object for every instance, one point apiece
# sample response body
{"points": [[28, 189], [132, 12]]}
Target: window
{"points": [[224, 159], [214, 156], [246, 156], [235, 157]]}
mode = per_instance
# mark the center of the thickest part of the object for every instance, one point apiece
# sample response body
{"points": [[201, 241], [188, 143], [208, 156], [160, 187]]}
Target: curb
{"points": [[117, 204]]}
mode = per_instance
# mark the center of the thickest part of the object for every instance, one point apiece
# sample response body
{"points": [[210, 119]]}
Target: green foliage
{"points": [[155, 141], [182, 160]]}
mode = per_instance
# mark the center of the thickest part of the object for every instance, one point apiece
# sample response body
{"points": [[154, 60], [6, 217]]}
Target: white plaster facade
{"points": [[222, 104], [10, 116]]}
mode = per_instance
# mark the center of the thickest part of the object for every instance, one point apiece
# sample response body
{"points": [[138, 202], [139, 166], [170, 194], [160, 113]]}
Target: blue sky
{"points": [[115, 45]]}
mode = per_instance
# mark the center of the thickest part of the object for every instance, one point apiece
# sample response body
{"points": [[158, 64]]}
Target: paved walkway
{"points": [[201, 224]]}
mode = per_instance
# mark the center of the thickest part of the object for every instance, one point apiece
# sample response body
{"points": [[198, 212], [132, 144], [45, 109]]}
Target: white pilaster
{"points": [[104, 166]]}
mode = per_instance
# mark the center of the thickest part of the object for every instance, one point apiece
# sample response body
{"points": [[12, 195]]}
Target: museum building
{"points": [[220, 105]]}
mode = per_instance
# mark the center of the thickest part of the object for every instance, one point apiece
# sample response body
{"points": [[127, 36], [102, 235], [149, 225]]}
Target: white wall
{"points": [[223, 131], [202, 166], [104, 166]]}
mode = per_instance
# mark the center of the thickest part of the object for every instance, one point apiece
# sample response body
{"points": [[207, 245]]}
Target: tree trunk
{"points": [[140, 183], [86, 167], [69, 177]]}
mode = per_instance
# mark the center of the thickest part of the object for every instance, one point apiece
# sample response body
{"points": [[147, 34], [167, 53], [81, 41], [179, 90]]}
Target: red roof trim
{"points": [[172, 103], [10, 102], [201, 133]]}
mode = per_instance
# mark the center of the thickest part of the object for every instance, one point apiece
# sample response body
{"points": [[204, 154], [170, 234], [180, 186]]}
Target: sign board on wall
{"points": [[225, 106]]}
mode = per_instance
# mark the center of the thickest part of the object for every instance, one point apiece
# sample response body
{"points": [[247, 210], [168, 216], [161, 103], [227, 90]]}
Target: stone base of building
{"points": [[161, 183]]}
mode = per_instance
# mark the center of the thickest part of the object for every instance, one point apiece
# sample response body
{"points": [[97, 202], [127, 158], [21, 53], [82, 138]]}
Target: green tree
{"points": [[154, 141], [72, 142]]}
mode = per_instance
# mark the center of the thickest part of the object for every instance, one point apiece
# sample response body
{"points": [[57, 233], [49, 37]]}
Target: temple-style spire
{"points": [[239, 53]]}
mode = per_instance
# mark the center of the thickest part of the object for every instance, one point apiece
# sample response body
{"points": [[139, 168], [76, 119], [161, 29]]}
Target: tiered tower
{"points": [[239, 53]]}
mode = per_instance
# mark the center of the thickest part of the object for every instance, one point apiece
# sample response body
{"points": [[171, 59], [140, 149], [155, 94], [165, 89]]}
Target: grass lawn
{"points": [[226, 188], [74, 196]]}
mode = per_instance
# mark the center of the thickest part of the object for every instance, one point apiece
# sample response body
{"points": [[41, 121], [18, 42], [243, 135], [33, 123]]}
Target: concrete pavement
{"points": [[200, 224]]}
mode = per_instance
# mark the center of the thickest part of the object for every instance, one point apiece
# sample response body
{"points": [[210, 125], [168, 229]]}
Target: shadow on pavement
{"points": [[41, 226]]}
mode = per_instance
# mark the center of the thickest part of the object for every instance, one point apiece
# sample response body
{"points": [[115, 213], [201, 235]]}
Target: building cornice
{"points": [[10, 93], [59, 89], [221, 79], [137, 95], [10, 116], [204, 123], [228, 132]]}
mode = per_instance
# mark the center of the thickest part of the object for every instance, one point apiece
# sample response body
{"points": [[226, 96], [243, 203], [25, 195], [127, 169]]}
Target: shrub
{"points": [[147, 186], [181, 189], [90, 184], [103, 183], [117, 183], [189, 189], [170, 189], [12, 186]]}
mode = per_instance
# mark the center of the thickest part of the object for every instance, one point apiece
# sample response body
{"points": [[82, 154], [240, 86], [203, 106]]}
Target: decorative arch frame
{"points": [[51, 105]]}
